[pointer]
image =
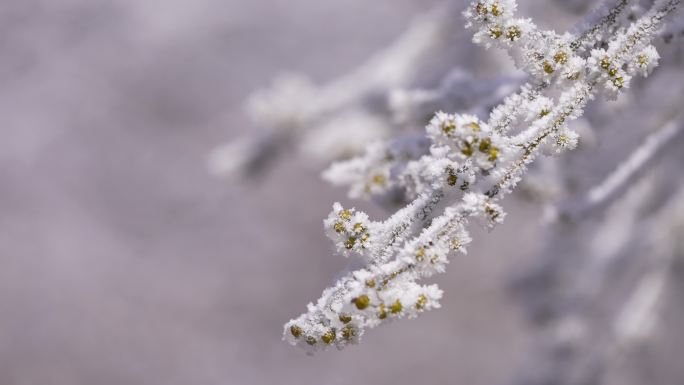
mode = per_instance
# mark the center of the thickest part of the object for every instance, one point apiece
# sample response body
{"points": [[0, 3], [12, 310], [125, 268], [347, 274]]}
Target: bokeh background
{"points": [[124, 261]]}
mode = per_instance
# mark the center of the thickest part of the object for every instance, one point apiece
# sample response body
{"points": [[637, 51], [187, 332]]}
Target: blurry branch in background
{"points": [[294, 107], [377, 100], [626, 173], [674, 31], [585, 329], [570, 293]]}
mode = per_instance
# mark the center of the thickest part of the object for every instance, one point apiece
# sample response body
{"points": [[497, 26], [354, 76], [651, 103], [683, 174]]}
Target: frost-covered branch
{"points": [[469, 167]]}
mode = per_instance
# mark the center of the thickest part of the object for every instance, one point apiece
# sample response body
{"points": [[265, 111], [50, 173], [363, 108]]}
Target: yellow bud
{"points": [[485, 145], [396, 307], [452, 178], [493, 214], [481, 9], [420, 254], [349, 244], [513, 33], [562, 140], [422, 301], [467, 149], [361, 302], [379, 180], [328, 337], [560, 57], [493, 154], [605, 63], [548, 68], [345, 318], [348, 332], [296, 331], [495, 32], [382, 314]]}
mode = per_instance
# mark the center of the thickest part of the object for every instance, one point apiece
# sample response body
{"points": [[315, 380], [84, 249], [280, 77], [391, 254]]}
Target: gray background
{"points": [[122, 261]]}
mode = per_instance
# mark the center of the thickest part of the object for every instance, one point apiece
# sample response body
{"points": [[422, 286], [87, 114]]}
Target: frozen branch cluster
{"points": [[459, 171]]}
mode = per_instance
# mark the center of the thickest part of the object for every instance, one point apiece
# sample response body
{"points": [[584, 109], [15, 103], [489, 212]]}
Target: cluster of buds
{"points": [[615, 72], [468, 139], [349, 229], [496, 22], [374, 173], [370, 297]]}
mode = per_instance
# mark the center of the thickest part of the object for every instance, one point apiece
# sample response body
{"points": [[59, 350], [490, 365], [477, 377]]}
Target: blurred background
{"points": [[124, 261]]}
